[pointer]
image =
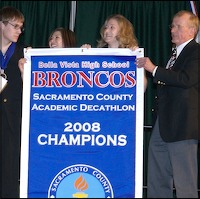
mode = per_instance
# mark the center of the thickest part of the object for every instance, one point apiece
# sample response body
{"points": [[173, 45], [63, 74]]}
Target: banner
{"points": [[82, 124]]}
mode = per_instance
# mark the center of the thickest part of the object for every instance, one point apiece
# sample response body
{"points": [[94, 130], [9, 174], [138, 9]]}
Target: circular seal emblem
{"points": [[80, 181]]}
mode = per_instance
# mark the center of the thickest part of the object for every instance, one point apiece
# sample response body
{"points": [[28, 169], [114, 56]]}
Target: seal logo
{"points": [[80, 181]]}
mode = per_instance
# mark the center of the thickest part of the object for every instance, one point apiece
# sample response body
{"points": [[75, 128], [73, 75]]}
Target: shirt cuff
{"points": [[154, 71]]}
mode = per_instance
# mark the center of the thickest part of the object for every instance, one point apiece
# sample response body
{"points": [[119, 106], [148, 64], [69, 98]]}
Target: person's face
{"points": [[110, 32], [11, 30], [56, 40], [181, 31]]}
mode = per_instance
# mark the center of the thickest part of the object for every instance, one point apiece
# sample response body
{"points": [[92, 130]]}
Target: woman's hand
{"points": [[86, 46]]}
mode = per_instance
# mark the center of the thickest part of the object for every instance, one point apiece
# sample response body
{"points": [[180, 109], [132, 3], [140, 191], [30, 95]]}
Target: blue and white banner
{"points": [[82, 124]]}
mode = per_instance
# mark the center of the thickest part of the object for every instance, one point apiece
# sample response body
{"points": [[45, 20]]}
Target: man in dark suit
{"points": [[172, 157], [11, 27]]}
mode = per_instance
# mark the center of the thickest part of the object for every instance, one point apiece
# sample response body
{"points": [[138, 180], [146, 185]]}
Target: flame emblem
{"points": [[81, 185]]}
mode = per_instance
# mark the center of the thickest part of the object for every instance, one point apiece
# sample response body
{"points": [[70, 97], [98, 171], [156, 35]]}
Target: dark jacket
{"points": [[10, 127], [178, 94], [11, 96]]}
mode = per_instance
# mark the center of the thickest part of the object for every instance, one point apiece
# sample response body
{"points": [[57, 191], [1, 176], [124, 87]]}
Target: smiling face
{"points": [[56, 40], [111, 32]]}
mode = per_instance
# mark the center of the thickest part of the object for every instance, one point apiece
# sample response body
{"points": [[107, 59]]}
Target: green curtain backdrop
{"points": [[151, 20]]}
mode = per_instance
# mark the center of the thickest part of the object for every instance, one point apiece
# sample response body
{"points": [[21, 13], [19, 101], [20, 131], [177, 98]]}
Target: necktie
{"points": [[172, 59]]}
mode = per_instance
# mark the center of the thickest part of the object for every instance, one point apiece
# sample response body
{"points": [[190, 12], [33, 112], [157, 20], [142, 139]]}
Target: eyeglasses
{"points": [[16, 27]]}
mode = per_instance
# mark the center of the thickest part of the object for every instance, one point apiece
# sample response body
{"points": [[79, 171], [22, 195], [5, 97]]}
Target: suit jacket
{"points": [[11, 96], [10, 126], [178, 94]]}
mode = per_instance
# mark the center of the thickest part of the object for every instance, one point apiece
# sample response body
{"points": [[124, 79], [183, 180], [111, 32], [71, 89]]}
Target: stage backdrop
{"points": [[82, 124]]}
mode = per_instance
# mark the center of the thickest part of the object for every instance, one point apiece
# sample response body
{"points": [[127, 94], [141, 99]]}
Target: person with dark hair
{"points": [[59, 38], [173, 146], [62, 38], [11, 27]]}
